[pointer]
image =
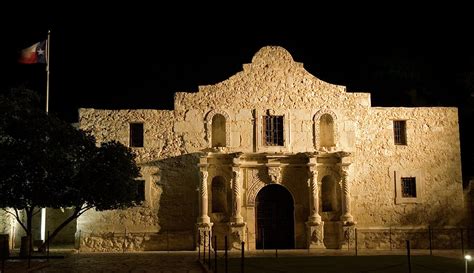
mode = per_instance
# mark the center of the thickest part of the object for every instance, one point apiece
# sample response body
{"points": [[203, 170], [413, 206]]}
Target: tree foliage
{"points": [[46, 162]]}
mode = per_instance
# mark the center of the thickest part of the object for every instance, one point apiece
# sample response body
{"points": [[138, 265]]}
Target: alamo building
{"points": [[277, 158]]}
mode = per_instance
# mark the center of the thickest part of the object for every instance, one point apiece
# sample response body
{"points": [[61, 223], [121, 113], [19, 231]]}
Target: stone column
{"points": [[204, 225], [314, 225], [204, 204], [236, 196], [237, 225], [346, 217], [314, 216]]}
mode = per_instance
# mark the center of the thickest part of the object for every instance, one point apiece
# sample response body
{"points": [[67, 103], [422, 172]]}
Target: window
{"points": [[140, 190], [408, 184], [273, 130], [408, 187], [399, 132], [136, 134]]}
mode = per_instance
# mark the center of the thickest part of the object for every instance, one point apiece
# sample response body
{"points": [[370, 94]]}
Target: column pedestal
{"points": [[315, 235], [237, 235], [202, 236], [348, 237]]}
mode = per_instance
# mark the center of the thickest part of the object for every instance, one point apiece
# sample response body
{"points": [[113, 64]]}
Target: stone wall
{"points": [[5, 223], [273, 83], [136, 241], [395, 238], [55, 217], [432, 154], [170, 175]]}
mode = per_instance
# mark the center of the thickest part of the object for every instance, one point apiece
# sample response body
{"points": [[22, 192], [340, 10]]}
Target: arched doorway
{"points": [[275, 218]]}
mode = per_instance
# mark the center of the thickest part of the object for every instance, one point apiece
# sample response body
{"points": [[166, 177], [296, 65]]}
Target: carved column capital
{"points": [[236, 173], [345, 170], [203, 175]]}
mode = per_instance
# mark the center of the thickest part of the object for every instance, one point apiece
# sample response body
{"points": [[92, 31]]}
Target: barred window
{"points": [[136, 134], [273, 130], [408, 187], [399, 132]]}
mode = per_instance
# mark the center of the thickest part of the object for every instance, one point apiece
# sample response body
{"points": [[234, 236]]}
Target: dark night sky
{"points": [[138, 57]]}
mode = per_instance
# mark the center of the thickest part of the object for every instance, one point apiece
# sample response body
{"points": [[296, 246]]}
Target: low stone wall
{"points": [[120, 242], [395, 238]]}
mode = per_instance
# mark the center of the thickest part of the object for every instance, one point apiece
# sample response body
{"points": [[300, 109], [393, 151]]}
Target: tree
{"points": [[46, 162]]}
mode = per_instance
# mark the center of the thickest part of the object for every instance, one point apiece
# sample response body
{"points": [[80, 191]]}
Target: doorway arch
{"points": [[275, 221]]}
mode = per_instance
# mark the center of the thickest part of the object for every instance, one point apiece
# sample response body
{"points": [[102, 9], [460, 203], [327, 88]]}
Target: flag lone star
{"points": [[33, 54]]}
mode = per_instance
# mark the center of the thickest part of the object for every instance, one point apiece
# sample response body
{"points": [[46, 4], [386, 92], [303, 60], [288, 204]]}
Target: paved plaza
{"points": [[143, 262], [287, 261]]}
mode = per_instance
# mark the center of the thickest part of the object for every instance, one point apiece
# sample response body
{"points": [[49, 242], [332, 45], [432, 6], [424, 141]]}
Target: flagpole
{"points": [[43, 210], [47, 71]]}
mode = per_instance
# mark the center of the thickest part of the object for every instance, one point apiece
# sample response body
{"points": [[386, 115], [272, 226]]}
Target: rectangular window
{"points": [[408, 187], [136, 134], [399, 132], [273, 130], [140, 190]]}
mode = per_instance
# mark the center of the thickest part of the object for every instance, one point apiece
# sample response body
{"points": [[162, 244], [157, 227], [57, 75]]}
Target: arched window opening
{"points": [[326, 131], [218, 131], [219, 196]]}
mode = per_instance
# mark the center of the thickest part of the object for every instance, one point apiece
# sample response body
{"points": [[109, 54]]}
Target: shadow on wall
{"points": [[177, 181], [433, 214], [425, 226]]}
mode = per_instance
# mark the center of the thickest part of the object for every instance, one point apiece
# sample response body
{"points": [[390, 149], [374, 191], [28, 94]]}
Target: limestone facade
{"points": [[212, 165]]}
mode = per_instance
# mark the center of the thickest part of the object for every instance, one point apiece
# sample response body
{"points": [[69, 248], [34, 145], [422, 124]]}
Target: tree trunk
{"points": [[29, 220], [26, 248]]}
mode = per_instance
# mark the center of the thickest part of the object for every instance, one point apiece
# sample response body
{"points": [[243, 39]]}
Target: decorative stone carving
{"points": [[275, 174], [237, 235], [315, 235], [348, 235], [204, 231], [255, 184]]}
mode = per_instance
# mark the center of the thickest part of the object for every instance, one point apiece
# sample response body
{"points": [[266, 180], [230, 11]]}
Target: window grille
{"points": [[399, 132], [408, 187], [273, 130]]}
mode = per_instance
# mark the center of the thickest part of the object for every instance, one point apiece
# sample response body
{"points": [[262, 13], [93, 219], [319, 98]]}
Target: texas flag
{"points": [[34, 54]]}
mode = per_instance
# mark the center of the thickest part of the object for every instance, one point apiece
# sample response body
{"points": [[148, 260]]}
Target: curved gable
{"points": [[273, 77]]}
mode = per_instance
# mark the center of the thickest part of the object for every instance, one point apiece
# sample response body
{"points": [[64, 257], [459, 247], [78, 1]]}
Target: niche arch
{"points": [[325, 130], [217, 128]]}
